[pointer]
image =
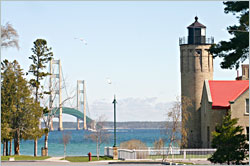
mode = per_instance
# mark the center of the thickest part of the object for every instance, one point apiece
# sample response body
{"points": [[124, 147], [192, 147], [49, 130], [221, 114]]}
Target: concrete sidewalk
{"points": [[56, 159]]}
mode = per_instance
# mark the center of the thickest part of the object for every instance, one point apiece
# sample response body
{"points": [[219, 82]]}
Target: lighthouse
{"points": [[196, 65]]}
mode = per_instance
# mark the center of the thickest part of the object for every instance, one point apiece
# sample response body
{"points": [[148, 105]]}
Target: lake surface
{"points": [[79, 145]]}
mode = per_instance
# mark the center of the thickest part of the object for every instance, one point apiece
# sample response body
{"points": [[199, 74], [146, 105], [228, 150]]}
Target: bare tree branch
{"points": [[178, 116], [99, 136], [66, 136], [9, 36]]}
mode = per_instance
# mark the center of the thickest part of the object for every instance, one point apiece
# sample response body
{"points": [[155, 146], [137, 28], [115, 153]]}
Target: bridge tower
{"points": [[56, 89], [81, 101]]}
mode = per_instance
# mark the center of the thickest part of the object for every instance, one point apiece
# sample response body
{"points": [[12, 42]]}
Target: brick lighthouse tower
{"points": [[196, 66]]}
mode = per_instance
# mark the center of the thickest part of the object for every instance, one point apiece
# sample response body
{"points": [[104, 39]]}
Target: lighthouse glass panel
{"points": [[203, 32], [197, 32]]}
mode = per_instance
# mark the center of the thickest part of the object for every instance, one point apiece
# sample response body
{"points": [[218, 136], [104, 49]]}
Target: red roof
{"points": [[224, 91]]}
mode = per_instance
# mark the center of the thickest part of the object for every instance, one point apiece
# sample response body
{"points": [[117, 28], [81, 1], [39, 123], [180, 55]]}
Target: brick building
{"points": [[218, 98], [196, 76]]}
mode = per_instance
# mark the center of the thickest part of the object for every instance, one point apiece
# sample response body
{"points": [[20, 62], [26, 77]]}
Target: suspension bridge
{"points": [[57, 104]]}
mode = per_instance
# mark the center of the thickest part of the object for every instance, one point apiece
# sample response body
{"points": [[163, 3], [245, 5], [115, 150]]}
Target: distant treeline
{"points": [[120, 125]]}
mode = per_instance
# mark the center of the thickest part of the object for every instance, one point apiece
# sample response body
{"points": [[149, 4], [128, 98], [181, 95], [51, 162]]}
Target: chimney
{"points": [[245, 71]]}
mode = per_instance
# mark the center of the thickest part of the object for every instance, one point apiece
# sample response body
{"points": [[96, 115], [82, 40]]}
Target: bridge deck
{"points": [[71, 111]]}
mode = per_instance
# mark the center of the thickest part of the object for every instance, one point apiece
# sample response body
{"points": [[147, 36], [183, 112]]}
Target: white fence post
{"points": [[175, 152], [184, 154], [134, 154], [105, 151]]}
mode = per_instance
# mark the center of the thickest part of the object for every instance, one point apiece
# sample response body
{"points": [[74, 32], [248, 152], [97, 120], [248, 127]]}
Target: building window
{"points": [[199, 54], [198, 51], [247, 106], [247, 132]]}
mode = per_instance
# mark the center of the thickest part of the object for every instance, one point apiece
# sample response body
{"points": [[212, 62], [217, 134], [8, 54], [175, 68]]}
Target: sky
{"points": [[134, 44]]}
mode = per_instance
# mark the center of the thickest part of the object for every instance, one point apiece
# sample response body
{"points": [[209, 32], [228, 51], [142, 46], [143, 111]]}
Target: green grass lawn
{"points": [[21, 157], [86, 159]]}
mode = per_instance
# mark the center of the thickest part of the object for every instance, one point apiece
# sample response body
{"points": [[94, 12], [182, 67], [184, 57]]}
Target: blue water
{"points": [[79, 145]]}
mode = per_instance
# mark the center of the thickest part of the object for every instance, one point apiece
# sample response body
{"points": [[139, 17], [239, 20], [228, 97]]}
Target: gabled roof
{"points": [[196, 24], [222, 92]]}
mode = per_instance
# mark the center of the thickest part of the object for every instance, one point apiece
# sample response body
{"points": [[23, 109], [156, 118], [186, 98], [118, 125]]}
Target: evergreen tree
{"points": [[235, 50], [41, 56], [7, 104], [230, 142], [19, 111]]}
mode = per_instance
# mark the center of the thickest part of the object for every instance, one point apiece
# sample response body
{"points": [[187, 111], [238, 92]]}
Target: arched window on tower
{"points": [[199, 54]]}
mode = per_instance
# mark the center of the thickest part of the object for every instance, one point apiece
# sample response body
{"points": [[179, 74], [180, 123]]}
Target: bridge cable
{"points": [[87, 105], [66, 88]]}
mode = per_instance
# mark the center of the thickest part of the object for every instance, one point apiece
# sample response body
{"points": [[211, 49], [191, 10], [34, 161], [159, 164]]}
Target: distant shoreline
{"points": [[119, 125], [117, 129]]}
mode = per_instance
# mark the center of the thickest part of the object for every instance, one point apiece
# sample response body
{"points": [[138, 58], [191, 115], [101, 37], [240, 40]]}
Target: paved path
{"points": [[56, 159], [49, 163], [196, 162]]}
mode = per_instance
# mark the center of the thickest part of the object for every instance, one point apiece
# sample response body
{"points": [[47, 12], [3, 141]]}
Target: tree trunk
{"points": [[97, 151], [4, 147], [46, 140], [10, 152], [17, 143], [46, 143], [64, 151], [14, 145], [7, 147], [163, 157], [35, 140], [35, 147]]}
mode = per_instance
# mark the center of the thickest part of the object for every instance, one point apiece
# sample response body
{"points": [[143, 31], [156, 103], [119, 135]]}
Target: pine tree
{"points": [[230, 142], [20, 113], [235, 50], [41, 56], [7, 102]]}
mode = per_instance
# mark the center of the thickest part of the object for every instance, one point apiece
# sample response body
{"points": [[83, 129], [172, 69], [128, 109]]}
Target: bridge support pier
{"points": [[78, 124], [57, 90], [51, 126], [80, 102], [60, 127], [60, 97]]}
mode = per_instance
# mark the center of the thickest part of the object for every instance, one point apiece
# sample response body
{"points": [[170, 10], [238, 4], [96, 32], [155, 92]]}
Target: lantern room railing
{"points": [[198, 40]]}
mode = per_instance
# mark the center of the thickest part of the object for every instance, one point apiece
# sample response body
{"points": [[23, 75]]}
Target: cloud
{"points": [[131, 109]]}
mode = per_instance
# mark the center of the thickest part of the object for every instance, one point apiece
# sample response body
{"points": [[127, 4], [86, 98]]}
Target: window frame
{"points": [[246, 103], [247, 132]]}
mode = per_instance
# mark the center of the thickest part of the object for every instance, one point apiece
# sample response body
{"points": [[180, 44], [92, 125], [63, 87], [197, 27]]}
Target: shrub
{"points": [[137, 145]]}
